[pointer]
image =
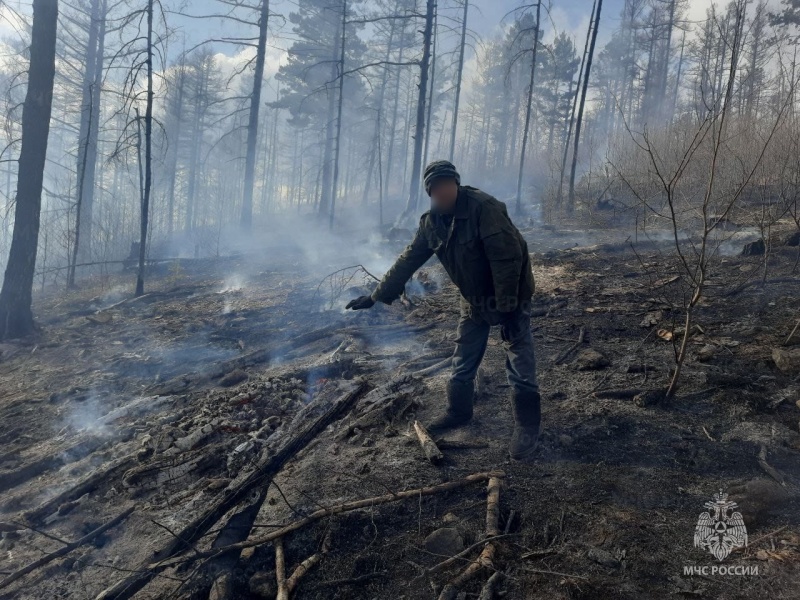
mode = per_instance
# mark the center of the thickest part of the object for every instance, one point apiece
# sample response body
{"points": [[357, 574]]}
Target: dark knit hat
{"points": [[440, 169]]}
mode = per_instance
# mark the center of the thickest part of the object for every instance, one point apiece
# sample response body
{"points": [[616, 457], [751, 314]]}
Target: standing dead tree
{"points": [[419, 131], [16, 317]]}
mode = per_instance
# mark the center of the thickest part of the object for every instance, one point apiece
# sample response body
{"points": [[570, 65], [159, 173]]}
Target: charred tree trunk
{"points": [[395, 111], [586, 75], [458, 79], [252, 125], [574, 112], [16, 317], [528, 109], [174, 147], [148, 153], [88, 136], [432, 85], [335, 183], [419, 133], [376, 140]]}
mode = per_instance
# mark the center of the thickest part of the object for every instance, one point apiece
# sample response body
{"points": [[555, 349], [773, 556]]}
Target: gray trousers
{"points": [[473, 336]]}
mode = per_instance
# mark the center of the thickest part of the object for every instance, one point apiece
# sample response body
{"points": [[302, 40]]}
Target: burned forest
{"points": [[431, 299]]}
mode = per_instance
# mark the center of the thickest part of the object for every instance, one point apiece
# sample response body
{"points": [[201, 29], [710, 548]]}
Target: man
{"points": [[487, 258]]}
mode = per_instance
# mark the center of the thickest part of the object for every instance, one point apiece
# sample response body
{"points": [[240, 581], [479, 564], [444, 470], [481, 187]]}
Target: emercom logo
{"points": [[720, 530]]}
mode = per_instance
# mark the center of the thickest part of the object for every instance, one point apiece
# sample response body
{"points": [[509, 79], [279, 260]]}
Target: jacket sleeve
{"points": [[504, 252], [413, 257]]}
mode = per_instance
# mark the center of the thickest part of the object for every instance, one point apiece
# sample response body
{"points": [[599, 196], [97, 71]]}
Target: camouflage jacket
{"points": [[482, 251]]}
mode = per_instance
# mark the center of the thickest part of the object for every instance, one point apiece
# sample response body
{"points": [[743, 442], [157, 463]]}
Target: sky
{"points": [[486, 18]]}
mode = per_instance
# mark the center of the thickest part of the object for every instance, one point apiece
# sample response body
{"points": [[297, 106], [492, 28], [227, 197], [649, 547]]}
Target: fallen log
{"points": [[429, 447], [257, 479], [66, 549], [85, 486], [328, 512], [77, 451]]}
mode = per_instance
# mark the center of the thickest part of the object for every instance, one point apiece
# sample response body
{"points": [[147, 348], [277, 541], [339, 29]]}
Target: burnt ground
{"points": [[166, 402]]}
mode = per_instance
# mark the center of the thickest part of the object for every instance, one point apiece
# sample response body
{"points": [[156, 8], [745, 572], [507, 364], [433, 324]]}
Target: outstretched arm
{"points": [[413, 257], [504, 252]]}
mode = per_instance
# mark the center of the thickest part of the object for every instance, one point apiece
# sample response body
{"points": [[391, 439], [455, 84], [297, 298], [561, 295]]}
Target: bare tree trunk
{"points": [[16, 317], [395, 110], [575, 101], [148, 151], [376, 140], [571, 205], [458, 80], [174, 146], [678, 79], [252, 125], [87, 137], [528, 109], [335, 183], [432, 86], [419, 132]]}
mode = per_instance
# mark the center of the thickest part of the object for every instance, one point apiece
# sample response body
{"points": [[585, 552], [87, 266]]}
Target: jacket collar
{"points": [[461, 209]]}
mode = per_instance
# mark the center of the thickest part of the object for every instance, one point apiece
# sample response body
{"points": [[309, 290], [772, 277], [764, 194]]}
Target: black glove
{"points": [[361, 302]]}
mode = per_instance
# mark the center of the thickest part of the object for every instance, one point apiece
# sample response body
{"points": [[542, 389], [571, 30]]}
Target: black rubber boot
{"points": [[526, 406], [460, 396]]}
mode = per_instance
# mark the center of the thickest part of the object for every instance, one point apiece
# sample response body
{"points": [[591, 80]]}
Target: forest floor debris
{"points": [[220, 419]]}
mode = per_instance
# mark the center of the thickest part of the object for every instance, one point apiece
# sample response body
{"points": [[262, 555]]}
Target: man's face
{"points": [[444, 193]]}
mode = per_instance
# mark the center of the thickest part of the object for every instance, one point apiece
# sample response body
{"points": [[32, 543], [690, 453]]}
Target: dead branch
{"points": [[334, 510], [457, 557], [571, 349], [280, 570], [88, 484], [768, 468], [305, 566], [66, 549], [429, 447], [435, 367], [257, 479], [616, 394], [486, 558], [490, 587], [791, 335]]}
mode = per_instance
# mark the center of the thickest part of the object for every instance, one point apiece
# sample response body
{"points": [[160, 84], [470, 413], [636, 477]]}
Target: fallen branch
{"points": [[429, 447], [490, 587], [752, 543], [305, 566], [435, 367], [545, 572], [791, 335], [258, 479], [47, 558], [87, 485], [280, 570], [334, 510], [768, 468], [759, 283], [486, 558], [616, 394], [457, 557], [572, 348]]}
